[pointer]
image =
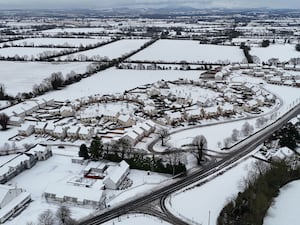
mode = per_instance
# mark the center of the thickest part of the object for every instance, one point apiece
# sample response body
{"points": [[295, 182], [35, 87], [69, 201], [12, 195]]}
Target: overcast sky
{"points": [[98, 4]]}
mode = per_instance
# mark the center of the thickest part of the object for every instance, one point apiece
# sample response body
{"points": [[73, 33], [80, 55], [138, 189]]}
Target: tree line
{"points": [[123, 150]]}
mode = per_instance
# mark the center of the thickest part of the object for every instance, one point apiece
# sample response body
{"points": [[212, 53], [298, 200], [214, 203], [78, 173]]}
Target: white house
{"points": [[250, 105], [59, 132], [49, 128], [39, 128], [139, 131], [86, 133], [116, 175], [283, 153], [26, 130], [126, 120], [70, 194], [66, 111], [40, 152], [73, 132], [15, 121], [14, 167], [146, 128], [132, 137], [11, 200]]}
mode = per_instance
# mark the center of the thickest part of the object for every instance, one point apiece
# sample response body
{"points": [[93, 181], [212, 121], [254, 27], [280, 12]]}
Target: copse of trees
{"points": [[251, 205], [4, 119], [297, 47], [288, 135], [122, 150], [62, 216]]}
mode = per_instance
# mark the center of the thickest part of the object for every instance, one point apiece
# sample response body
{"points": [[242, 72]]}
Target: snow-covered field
{"points": [[75, 30], [130, 219], [284, 52], [56, 169], [73, 42], [117, 81], [190, 51], [200, 203], [30, 52], [59, 169], [21, 76], [113, 50], [285, 209], [213, 134]]}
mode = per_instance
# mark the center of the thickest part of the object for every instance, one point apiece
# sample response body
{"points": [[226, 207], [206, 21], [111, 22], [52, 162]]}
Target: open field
{"points": [[111, 51], [21, 76], [30, 53], [190, 51], [72, 42], [283, 52], [117, 81]]}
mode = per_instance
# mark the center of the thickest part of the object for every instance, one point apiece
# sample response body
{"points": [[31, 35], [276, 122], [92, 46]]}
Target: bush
{"points": [[297, 47], [265, 43]]}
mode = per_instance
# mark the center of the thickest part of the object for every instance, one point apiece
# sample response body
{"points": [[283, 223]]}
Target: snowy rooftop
{"points": [[115, 173], [81, 193]]}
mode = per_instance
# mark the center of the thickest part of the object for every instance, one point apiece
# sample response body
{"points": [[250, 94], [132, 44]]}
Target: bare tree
{"points": [[163, 135], [63, 215], [235, 135], [124, 146], [199, 143], [247, 129], [57, 80], [173, 158], [46, 218], [4, 119], [227, 142]]}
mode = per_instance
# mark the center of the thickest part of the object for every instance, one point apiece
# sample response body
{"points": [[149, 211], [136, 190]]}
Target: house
{"points": [[116, 175], [211, 112], [132, 137], [172, 117], [14, 167], [15, 121], [139, 131], [73, 132], [126, 120], [26, 130], [66, 111], [49, 128], [59, 132], [250, 105], [70, 194], [40, 152], [146, 128], [12, 199], [275, 80], [151, 124], [86, 133], [39, 128]]}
